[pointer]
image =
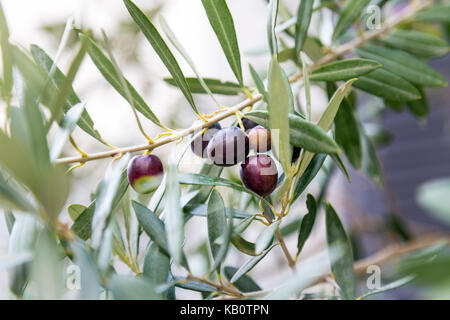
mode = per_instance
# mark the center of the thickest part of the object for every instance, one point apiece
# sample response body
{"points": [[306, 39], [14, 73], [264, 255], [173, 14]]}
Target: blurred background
{"points": [[419, 151]]}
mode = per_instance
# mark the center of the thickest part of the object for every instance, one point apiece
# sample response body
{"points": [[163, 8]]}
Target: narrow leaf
{"points": [[304, 14], [259, 83], [347, 134], [65, 130], [214, 85], [161, 48], [280, 103], [266, 237], [385, 84], [222, 23], [342, 266], [344, 70], [174, 220], [349, 14], [152, 225], [57, 78], [307, 223], [6, 57], [404, 65], [417, 43], [216, 220], [245, 283]]}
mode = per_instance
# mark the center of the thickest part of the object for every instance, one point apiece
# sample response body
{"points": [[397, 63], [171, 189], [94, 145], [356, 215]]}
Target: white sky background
{"points": [[111, 114]]}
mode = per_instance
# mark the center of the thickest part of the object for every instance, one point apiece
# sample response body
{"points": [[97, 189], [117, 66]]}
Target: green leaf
{"points": [[57, 78], [349, 14], [161, 48], [132, 288], [201, 211], [156, 265], [433, 196], [216, 219], [89, 275], [6, 57], [327, 119], [214, 85], [385, 84], [303, 134], [437, 13], [65, 130], [75, 210], [310, 173], [174, 219], [304, 14], [13, 198], [344, 70], [203, 180], [388, 287], [222, 23], [417, 43], [82, 226], [371, 165], [266, 237], [47, 267], [244, 246], [342, 266], [259, 83], [224, 242], [58, 101], [307, 87], [244, 284], [24, 235], [347, 134], [198, 286], [271, 26], [249, 265], [109, 72], [152, 225], [404, 65], [26, 157], [106, 196], [420, 108], [280, 103], [307, 223]]}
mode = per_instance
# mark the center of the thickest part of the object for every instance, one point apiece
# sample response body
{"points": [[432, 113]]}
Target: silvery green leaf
{"points": [[65, 129], [222, 23], [341, 264], [266, 237], [105, 199], [174, 218]]}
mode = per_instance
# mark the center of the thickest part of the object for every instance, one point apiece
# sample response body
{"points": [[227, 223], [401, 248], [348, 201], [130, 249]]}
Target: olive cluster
{"points": [[225, 147], [230, 146]]}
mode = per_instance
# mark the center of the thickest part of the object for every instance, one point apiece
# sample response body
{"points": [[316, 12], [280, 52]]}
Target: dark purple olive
{"points": [[145, 173], [259, 174], [228, 147], [248, 124], [259, 138], [199, 144]]}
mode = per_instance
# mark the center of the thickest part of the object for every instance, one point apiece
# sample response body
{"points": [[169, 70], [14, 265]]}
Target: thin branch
{"points": [[339, 51]]}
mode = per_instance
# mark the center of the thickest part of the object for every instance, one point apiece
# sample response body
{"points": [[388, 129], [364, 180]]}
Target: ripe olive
{"points": [[228, 147], [145, 173], [200, 143], [259, 138], [259, 174]]}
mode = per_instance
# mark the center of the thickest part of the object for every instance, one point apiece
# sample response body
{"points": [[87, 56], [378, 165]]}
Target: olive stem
{"points": [[339, 51]]}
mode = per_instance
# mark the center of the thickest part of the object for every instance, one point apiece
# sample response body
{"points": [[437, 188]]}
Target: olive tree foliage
{"points": [[376, 55]]}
